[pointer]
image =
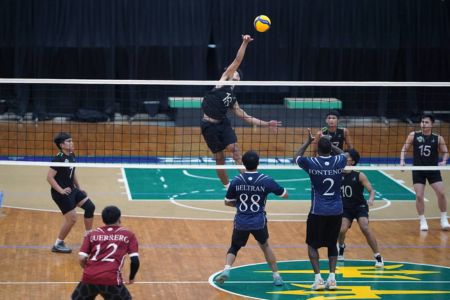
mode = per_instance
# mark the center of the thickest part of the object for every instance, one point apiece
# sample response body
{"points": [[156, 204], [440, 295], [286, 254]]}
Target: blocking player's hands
{"points": [[273, 125]]}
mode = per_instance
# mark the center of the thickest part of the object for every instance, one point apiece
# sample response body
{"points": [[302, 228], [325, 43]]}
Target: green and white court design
{"points": [[196, 184], [356, 279]]}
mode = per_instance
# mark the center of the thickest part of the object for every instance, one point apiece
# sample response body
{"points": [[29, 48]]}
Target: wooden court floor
{"points": [[179, 247]]}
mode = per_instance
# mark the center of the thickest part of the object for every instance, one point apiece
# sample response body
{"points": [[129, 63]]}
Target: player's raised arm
{"points": [[305, 145], [408, 142], [348, 138], [229, 72]]}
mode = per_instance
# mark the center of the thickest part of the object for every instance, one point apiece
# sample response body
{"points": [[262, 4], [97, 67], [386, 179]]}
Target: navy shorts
{"points": [[422, 176], [85, 291], [240, 237], [68, 202], [356, 212], [322, 231], [218, 135]]}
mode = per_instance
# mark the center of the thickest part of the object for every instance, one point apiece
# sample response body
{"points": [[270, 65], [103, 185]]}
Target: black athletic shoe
{"points": [[61, 248]]}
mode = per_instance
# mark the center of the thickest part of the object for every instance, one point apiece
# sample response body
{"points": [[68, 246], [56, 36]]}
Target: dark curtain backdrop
{"points": [[382, 40]]}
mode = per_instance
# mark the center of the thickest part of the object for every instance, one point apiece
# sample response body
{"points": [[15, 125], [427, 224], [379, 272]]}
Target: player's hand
{"points": [[66, 191], [370, 202], [273, 125], [310, 135], [247, 38], [442, 163]]}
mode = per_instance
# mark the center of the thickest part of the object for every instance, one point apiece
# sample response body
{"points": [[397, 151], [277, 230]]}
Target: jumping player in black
{"points": [[66, 192], [426, 148], [338, 135], [356, 207], [215, 126], [248, 193]]}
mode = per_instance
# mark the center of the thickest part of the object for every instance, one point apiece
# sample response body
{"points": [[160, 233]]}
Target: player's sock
{"points": [[317, 276], [422, 218], [227, 267], [58, 241], [331, 276]]}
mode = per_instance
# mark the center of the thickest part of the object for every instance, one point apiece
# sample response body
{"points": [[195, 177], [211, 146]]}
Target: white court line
{"points": [[125, 182], [401, 184], [75, 282], [185, 172]]}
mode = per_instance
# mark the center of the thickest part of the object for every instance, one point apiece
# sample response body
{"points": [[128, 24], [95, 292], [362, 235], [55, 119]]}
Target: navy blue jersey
{"points": [[64, 175], [250, 191], [326, 178]]}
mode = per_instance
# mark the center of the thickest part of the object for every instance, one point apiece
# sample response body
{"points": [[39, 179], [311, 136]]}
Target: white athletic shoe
{"points": [[444, 224], [330, 285], [318, 285], [379, 263], [423, 225]]}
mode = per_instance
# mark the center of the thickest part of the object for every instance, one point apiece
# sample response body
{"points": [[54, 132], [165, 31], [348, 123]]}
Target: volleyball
{"points": [[262, 23]]}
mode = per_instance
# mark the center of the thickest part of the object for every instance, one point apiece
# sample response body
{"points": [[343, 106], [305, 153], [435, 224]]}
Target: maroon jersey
{"points": [[105, 249]]}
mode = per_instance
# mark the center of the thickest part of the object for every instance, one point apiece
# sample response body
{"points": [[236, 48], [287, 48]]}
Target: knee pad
{"points": [[89, 209], [332, 251], [234, 249]]}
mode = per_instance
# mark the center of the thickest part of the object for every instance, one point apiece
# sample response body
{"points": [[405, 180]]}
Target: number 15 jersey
{"points": [[106, 248]]}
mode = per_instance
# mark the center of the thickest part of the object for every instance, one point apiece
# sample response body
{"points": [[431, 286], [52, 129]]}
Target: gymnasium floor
{"points": [[184, 239]]}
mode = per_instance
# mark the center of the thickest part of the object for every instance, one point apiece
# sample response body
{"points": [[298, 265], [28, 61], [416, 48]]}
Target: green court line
{"points": [[195, 184]]}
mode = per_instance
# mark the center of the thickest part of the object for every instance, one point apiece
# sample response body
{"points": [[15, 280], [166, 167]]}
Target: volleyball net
{"points": [[156, 123]]}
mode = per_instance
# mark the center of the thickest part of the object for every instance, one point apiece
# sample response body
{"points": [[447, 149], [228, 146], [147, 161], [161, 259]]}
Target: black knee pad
{"points": [[332, 251], [234, 249], [89, 209]]}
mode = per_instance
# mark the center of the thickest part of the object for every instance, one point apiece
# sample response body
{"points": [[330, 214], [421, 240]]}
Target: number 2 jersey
{"points": [[326, 176], [249, 190], [106, 248], [426, 149]]}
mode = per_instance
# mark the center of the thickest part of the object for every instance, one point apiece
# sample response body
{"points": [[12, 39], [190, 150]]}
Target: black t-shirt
{"points": [[64, 175], [218, 101], [352, 190], [337, 137], [426, 149]]}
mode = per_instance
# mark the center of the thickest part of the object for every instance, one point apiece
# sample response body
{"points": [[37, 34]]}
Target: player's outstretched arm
{"points": [[239, 112], [229, 72], [348, 139], [305, 145], [408, 142]]}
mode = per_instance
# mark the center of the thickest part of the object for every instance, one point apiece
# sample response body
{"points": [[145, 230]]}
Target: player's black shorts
{"points": [[356, 212], [422, 176], [218, 135], [68, 202], [240, 237], [322, 231], [85, 291]]}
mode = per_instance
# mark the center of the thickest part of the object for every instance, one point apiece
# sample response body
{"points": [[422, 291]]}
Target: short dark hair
{"points": [[430, 116], [250, 159], [60, 138], [354, 155], [111, 214], [324, 146], [333, 113]]}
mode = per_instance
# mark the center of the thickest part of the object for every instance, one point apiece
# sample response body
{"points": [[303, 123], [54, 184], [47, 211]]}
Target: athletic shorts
{"points": [[322, 231], [85, 291], [68, 202], [422, 176], [218, 135], [240, 237], [356, 212]]}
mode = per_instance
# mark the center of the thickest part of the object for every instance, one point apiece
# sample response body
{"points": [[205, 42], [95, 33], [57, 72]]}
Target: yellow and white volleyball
{"points": [[262, 23]]}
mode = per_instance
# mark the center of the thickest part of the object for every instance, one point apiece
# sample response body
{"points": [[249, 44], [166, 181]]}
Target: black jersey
{"points": [[337, 137], [216, 102], [352, 190], [64, 175], [426, 149]]}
